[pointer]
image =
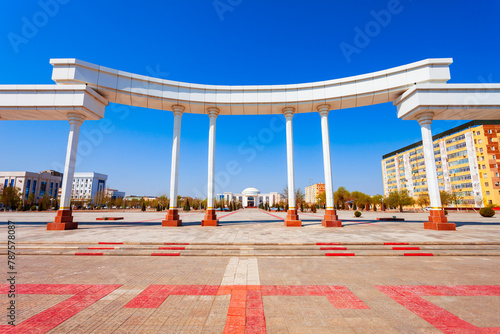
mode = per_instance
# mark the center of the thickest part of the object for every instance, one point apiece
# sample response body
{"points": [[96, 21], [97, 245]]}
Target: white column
{"points": [[75, 121], [176, 141], [212, 113], [425, 120], [327, 161], [288, 112]]}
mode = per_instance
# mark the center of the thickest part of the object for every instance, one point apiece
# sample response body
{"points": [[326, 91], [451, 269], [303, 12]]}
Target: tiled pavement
{"points": [[247, 294], [252, 226]]}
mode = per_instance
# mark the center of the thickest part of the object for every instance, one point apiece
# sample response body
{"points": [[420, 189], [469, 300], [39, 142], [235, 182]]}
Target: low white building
{"points": [[88, 186], [251, 197], [114, 194], [39, 184]]}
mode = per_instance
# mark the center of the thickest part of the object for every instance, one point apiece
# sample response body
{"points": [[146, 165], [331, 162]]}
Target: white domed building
{"points": [[251, 197]]}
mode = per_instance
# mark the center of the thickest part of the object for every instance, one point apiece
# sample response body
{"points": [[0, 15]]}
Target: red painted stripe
{"points": [[101, 248], [232, 213], [173, 248], [327, 243], [273, 215], [395, 243], [90, 254], [176, 243], [165, 254], [339, 254], [333, 248], [419, 254], [410, 297], [110, 243], [406, 248]]}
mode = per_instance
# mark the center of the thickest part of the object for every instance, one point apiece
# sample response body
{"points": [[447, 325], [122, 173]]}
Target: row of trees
{"points": [[11, 198]]}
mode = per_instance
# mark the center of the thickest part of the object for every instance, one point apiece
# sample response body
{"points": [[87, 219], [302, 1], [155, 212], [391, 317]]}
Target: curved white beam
{"points": [[49, 102], [142, 91], [450, 101]]}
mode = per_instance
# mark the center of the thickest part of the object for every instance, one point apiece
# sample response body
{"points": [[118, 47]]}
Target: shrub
{"points": [[313, 208], [446, 212], [487, 212], [357, 214]]}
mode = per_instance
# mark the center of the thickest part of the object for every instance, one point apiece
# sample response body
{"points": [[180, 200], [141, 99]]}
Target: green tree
{"points": [[186, 206], [299, 196], [377, 200], [446, 198], [163, 201], [341, 196], [400, 199], [321, 198], [423, 200], [45, 202], [10, 197]]}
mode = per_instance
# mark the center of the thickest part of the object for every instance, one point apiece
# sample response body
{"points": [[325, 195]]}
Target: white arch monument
{"points": [[83, 90]]}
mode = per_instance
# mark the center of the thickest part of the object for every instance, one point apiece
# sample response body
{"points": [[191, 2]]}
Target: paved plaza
{"points": [[252, 274]]}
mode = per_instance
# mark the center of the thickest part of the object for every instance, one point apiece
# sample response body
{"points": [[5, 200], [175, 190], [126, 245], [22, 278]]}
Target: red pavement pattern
{"points": [[410, 296], [83, 296], [246, 309]]}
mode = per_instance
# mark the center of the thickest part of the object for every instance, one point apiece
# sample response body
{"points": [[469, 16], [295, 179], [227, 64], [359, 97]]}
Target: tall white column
{"points": [[288, 112], [176, 140], [212, 113], [75, 121], [425, 120], [327, 162]]}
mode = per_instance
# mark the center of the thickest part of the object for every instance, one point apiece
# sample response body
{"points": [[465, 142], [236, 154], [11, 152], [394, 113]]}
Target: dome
{"points": [[250, 191]]}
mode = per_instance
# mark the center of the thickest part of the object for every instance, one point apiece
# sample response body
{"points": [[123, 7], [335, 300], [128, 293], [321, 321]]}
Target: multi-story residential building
{"points": [[313, 191], [467, 159], [88, 186], [36, 184]]}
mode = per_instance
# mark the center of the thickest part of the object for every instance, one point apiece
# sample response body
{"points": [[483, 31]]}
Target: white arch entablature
{"points": [[147, 92]]}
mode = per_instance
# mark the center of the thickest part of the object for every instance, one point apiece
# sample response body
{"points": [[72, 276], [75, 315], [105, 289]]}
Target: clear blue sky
{"points": [[248, 42]]}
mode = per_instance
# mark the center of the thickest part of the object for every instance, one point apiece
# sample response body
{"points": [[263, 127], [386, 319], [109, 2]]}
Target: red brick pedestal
{"points": [[210, 218], [292, 218], [331, 219], [438, 221], [172, 218], [63, 221]]}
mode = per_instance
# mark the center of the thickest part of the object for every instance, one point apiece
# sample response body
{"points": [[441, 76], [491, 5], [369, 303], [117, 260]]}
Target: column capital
{"points": [[288, 112], [324, 109], [425, 118], [75, 118], [213, 112], [177, 109]]}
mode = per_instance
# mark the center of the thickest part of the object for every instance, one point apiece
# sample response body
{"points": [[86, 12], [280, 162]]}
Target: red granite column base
{"points": [[292, 219], [210, 218], [439, 222], [331, 219], [62, 221], [172, 218]]}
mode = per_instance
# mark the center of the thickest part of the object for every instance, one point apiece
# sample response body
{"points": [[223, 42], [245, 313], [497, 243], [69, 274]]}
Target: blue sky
{"points": [[235, 42]]}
